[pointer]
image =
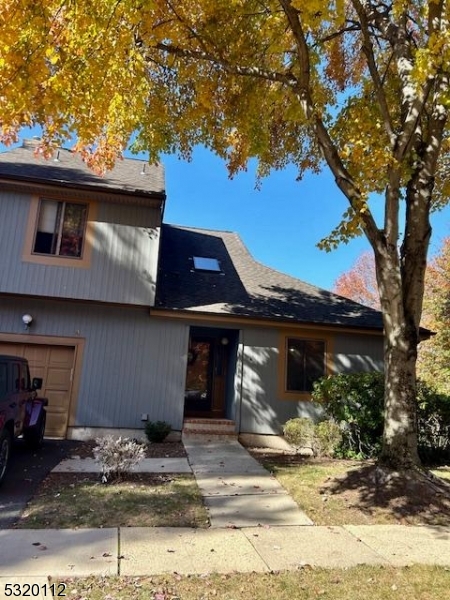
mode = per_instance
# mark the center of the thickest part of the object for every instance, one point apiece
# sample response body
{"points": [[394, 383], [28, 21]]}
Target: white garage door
{"points": [[55, 365]]}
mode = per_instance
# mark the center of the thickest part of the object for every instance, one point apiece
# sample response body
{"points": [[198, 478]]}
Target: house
{"points": [[129, 319]]}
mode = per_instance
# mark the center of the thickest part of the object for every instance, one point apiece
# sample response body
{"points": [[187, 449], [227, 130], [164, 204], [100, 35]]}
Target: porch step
{"points": [[193, 426]]}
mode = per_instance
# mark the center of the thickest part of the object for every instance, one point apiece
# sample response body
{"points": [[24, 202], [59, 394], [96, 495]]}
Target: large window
{"points": [[305, 363], [61, 229]]}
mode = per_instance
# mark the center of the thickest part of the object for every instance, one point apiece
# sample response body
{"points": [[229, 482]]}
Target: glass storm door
{"points": [[206, 376]]}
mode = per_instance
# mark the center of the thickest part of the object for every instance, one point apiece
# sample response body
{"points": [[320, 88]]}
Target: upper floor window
{"points": [[61, 228], [60, 233]]}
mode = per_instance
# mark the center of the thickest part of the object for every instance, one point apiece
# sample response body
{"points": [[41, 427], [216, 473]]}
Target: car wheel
{"points": [[34, 437], [5, 452]]}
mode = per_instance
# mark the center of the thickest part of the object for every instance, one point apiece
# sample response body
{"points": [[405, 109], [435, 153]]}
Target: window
{"points": [[303, 358], [60, 228], [60, 233], [305, 363], [201, 263]]}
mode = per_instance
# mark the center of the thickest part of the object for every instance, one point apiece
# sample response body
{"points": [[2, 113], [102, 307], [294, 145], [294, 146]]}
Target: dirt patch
{"points": [[154, 450], [411, 497]]}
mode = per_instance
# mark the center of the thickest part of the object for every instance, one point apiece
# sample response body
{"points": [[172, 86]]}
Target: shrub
{"points": [[355, 402], [157, 431], [299, 432], [328, 437], [322, 439], [433, 414], [117, 456]]}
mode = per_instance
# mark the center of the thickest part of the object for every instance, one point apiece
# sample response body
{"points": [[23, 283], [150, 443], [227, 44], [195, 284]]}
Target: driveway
{"points": [[26, 470]]}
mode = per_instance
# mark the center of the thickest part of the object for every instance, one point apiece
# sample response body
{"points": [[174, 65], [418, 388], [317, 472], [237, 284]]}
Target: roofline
{"points": [[278, 323], [44, 184]]}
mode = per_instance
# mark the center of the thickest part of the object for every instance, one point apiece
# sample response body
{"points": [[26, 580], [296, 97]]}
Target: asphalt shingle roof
{"points": [[67, 168], [244, 287]]}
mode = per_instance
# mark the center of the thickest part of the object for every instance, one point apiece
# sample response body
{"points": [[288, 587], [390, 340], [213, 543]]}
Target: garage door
{"points": [[55, 365]]}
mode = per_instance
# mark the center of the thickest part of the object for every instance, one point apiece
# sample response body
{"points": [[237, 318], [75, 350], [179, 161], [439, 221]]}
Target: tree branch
{"points": [[246, 71], [371, 63]]}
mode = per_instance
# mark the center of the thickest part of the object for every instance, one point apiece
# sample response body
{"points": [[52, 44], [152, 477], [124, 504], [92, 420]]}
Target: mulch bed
{"points": [[154, 450]]}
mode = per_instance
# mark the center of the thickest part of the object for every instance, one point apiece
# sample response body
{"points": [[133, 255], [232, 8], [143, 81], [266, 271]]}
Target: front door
{"points": [[205, 377]]}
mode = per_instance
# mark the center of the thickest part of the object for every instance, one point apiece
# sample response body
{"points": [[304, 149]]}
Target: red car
{"points": [[21, 411]]}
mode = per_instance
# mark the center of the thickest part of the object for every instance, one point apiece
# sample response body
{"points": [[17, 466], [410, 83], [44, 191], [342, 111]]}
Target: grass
{"points": [[304, 483], [359, 583], [443, 472], [331, 492], [339, 492], [68, 500]]}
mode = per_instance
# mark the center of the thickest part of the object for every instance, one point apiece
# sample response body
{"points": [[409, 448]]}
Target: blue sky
{"points": [[280, 223]]}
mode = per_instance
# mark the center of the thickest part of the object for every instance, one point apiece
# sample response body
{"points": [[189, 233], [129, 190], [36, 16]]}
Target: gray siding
{"points": [[124, 257], [132, 364], [261, 411], [259, 407], [358, 353]]}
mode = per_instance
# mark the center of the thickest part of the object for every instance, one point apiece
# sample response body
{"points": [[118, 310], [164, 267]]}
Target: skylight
{"points": [[201, 263]]}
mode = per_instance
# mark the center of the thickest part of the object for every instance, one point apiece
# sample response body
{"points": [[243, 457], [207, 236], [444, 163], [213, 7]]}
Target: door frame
{"points": [[45, 340], [217, 369]]}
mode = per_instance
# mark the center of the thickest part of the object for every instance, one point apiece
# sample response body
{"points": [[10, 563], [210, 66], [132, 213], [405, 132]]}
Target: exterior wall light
{"points": [[27, 320]]}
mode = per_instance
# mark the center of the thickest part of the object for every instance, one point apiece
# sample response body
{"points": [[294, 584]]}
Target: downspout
{"points": [[241, 387]]}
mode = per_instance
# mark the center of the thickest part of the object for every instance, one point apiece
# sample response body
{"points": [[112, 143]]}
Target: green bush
{"points": [[157, 431], [321, 438], [299, 432], [328, 437], [433, 414], [355, 402]]}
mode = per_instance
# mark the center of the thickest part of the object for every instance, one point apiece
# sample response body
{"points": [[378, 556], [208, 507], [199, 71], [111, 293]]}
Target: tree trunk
{"points": [[401, 308], [399, 449]]}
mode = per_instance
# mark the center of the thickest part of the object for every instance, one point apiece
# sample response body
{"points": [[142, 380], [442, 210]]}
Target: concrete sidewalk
{"points": [[151, 551]]}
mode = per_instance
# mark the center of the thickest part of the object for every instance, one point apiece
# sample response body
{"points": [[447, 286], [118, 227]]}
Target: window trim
{"points": [[283, 392], [51, 259]]}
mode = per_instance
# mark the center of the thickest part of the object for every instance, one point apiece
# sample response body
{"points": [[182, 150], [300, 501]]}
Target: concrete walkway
{"points": [[255, 526], [237, 490]]}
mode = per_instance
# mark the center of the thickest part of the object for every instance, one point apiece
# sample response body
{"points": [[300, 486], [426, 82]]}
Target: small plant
{"points": [[322, 438], [157, 431], [327, 437], [299, 433], [117, 456]]}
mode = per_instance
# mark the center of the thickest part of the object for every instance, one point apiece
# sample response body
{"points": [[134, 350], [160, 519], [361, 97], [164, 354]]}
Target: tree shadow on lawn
{"points": [[379, 496], [411, 497]]}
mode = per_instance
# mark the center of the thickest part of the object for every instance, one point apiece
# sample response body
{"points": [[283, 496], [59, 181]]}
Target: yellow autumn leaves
{"points": [[230, 74]]}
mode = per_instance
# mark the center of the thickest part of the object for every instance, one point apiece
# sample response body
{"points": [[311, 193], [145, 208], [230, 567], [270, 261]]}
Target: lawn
{"points": [[359, 583], [331, 492], [343, 492], [144, 500]]}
